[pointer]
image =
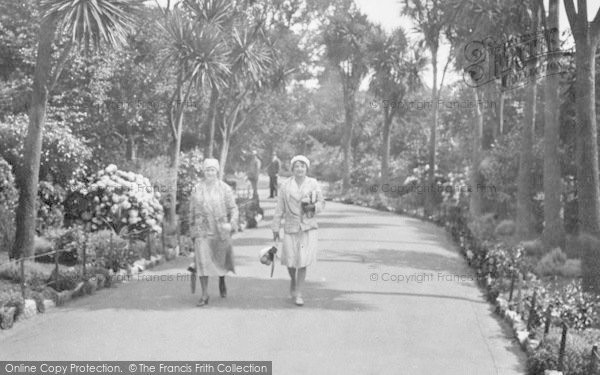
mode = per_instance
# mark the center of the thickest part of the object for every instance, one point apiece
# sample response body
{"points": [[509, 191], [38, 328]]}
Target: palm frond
{"points": [[93, 22]]}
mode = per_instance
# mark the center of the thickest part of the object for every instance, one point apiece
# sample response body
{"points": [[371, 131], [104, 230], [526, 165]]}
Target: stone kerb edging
{"points": [[32, 307]]}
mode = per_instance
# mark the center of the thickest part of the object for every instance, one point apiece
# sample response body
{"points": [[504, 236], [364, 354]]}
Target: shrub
{"points": [[12, 298], [483, 227], [533, 248], [545, 357], [67, 279], [69, 242], [50, 211], [190, 171], [551, 263], [35, 275], [117, 200], [64, 155], [571, 268], [506, 228], [8, 203], [118, 256]]}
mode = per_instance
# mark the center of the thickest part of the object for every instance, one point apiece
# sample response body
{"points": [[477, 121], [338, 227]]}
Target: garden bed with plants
{"points": [[538, 293], [106, 229]]}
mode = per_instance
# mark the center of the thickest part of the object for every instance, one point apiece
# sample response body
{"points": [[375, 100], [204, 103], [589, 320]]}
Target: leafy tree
{"points": [[106, 21]]}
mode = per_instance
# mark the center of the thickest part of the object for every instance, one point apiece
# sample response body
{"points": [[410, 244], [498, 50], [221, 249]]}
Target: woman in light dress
{"points": [[213, 217], [299, 200]]}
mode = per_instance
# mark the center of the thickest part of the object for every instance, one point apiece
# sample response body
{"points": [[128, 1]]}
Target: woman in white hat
{"points": [[213, 216], [299, 199]]}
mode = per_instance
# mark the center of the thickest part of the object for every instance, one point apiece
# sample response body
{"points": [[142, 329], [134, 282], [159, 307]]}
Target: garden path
{"points": [[389, 295]]}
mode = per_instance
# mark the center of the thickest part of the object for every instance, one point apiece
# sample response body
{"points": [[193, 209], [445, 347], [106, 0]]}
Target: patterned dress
{"points": [[300, 239], [211, 206]]}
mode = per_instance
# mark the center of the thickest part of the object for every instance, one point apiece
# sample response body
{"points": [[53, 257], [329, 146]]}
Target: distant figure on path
{"points": [[299, 199], [253, 173], [273, 169], [213, 217]]}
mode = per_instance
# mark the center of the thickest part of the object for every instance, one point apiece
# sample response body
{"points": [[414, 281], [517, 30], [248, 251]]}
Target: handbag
{"points": [[267, 257]]}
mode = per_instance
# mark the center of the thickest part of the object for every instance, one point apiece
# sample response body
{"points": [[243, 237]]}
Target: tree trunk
{"points": [[430, 192], [224, 153], [28, 177], [524, 180], [212, 114], [476, 195], [501, 121], [131, 147], [587, 167], [385, 153], [349, 105], [177, 122], [554, 232]]}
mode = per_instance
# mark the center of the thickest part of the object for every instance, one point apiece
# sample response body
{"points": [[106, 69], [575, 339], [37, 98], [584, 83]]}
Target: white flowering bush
{"points": [[118, 200]]}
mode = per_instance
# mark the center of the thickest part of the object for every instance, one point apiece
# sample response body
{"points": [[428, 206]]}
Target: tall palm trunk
{"points": [[476, 196], [212, 115], [28, 176], [385, 152], [176, 119], [430, 192], [349, 105], [524, 180], [554, 231]]}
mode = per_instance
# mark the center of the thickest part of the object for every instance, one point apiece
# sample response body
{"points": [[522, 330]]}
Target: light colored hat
{"points": [[301, 158], [210, 163]]}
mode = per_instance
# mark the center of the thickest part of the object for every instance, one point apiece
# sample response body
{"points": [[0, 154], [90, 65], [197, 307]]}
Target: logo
{"points": [[516, 61]]}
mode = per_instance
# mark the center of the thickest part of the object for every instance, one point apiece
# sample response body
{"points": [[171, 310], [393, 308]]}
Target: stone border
{"points": [[32, 307]]}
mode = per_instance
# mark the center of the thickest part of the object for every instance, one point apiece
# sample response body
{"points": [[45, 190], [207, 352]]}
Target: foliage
{"points": [[577, 308], [12, 298], [64, 155], [118, 200], [551, 263], [190, 171], [483, 227], [69, 242], [545, 357], [115, 253], [35, 274], [50, 209]]}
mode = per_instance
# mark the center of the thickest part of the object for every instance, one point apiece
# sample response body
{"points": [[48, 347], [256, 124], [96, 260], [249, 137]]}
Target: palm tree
{"points": [[88, 24], [251, 61], [396, 72], [195, 48], [346, 41]]}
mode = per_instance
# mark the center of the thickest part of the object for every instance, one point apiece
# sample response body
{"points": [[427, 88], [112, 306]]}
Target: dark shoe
{"points": [[222, 287], [202, 302]]}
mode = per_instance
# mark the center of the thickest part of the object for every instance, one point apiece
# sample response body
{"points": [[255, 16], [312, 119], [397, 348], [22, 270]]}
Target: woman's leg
{"points": [[300, 281], [292, 272], [222, 286], [204, 285]]}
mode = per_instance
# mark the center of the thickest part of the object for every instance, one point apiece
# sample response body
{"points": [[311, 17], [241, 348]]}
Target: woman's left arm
{"points": [[232, 208]]}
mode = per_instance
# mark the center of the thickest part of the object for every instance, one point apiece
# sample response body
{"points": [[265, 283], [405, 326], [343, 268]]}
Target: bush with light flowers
{"points": [[118, 200]]}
